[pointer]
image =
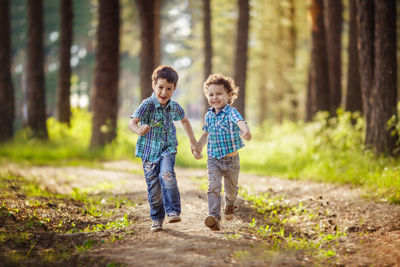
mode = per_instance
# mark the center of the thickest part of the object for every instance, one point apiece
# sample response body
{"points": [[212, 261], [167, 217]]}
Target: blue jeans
{"points": [[228, 168], [162, 187]]}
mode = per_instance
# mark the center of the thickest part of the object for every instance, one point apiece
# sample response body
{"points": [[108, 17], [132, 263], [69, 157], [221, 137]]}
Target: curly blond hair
{"points": [[227, 82]]}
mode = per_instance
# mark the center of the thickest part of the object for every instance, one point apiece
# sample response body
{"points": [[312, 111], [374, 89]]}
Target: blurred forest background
{"points": [[315, 76], [278, 53]]}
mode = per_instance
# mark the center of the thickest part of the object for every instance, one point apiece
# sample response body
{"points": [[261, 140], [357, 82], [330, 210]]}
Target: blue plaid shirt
{"points": [[223, 132], [161, 139]]}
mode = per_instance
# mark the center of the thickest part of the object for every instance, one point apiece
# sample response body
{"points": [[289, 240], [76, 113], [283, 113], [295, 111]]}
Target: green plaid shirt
{"points": [[161, 139]]}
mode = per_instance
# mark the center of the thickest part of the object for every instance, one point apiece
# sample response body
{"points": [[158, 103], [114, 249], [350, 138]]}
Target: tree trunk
{"points": [[207, 44], [353, 96], [241, 53], [309, 107], [333, 25], [7, 106], [319, 65], [262, 100], [157, 32], [384, 94], [149, 11], [105, 95], [63, 108], [365, 43], [292, 35], [35, 71]]}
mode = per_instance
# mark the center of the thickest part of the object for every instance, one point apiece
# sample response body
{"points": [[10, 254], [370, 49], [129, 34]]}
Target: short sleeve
{"points": [[206, 123], [140, 111], [235, 116], [178, 112]]}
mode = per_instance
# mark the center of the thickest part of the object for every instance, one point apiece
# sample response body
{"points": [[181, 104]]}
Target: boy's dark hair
{"points": [[165, 72], [227, 82]]}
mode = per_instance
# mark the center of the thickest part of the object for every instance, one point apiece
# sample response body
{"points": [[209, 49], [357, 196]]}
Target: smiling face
{"points": [[163, 91], [217, 96]]}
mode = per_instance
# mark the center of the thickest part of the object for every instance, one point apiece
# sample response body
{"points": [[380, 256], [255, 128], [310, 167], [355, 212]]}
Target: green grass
{"points": [[278, 227], [326, 150], [28, 212]]}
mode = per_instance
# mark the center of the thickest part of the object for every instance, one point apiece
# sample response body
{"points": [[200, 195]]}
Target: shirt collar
{"points": [[156, 103], [223, 110]]}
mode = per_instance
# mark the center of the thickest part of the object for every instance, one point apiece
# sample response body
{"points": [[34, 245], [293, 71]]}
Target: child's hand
{"points": [[246, 135], [144, 129], [197, 155]]}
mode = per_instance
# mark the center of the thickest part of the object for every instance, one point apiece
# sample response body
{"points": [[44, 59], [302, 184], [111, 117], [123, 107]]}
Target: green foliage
{"points": [[326, 150], [276, 226], [67, 145], [116, 225], [29, 214]]}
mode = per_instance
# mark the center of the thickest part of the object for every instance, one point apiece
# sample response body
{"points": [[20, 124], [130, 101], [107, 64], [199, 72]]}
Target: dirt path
{"points": [[372, 229]]}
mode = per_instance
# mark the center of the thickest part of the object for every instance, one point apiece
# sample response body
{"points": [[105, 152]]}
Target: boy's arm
{"points": [[202, 141], [140, 130], [189, 132], [244, 129]]}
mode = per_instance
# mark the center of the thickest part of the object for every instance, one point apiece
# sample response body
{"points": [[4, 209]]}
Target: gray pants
{"points": [[227, 167]]}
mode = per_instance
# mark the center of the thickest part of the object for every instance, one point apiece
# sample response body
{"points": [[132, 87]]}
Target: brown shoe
{"points": [[229, 212], [212, 222]]}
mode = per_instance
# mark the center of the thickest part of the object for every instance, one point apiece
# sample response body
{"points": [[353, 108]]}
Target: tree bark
{"points": [[35, 71], [365, 43], [352, 100], [207, 44], [292, 35], [319, 65], [384, 94], [333, 25], [105, 95], [63, 108], [7, 104], [157, 32], [150, 39], [241, 53], [309, 107], [262, 100]]}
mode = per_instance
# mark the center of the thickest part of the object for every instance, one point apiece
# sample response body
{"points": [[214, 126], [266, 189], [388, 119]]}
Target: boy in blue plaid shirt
{"points": [[222, 129], [157, 143]]}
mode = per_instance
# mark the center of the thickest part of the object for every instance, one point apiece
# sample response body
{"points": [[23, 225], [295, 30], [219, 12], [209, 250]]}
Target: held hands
{"points": [[196, 151], [144, 129]]}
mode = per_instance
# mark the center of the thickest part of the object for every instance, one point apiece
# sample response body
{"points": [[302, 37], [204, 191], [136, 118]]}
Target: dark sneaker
{"points": [[212, 222], [229, 212], [174, 219], [157, 226]]}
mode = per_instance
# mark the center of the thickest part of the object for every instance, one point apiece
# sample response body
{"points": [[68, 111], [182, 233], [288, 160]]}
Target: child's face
{"points": [[217, 96], [163, 90]]}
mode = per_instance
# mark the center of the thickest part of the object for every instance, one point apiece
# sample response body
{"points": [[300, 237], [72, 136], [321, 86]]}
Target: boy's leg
{"points": [[169, 185], [214, 187], [154, 195], [231, 179]]}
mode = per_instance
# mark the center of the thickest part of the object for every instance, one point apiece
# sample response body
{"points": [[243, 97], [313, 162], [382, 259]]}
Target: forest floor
{"points": [[323, 224]]}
